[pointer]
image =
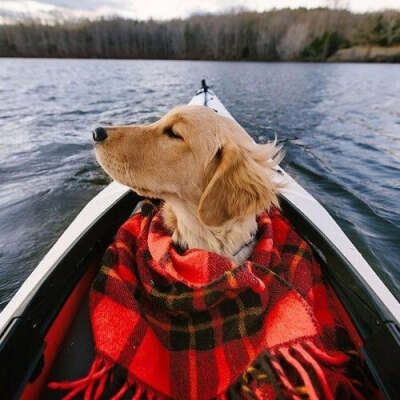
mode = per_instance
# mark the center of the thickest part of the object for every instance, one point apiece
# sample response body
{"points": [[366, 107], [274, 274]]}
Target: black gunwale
{"points": [[22, 342], [375, 324]]}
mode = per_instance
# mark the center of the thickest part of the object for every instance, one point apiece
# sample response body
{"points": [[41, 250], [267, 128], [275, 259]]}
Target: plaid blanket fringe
{"points": [[266, 371]]}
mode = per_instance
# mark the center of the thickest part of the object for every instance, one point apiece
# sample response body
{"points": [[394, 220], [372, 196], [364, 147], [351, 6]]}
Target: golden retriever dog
{"points": [[211, 175]]}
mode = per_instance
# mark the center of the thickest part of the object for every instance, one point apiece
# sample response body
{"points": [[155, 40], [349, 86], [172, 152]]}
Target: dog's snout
{"points": [[99, 134]]}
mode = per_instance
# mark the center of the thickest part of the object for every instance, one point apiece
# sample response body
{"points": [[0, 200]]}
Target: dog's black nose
{"points": [[99, 134]]}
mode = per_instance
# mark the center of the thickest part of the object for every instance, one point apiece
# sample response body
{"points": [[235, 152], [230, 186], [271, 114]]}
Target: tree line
{"points": [[275, 35]]}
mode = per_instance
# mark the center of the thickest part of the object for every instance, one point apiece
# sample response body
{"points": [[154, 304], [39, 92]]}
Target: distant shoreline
{"points": [[284, 35], [346, 56]]}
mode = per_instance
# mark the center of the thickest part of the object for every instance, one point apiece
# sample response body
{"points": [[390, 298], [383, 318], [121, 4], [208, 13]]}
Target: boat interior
{"points": [[56, 321]]}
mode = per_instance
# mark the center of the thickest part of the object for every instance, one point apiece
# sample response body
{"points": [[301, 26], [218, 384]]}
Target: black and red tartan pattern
{"points": [[194, 325]]}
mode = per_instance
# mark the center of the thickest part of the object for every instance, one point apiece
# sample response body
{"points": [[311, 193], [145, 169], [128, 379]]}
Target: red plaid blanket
{"points": [[194, 325]]}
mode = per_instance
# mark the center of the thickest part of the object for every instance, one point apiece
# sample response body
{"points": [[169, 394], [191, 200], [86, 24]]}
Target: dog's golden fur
{"points": [[212, 176]]}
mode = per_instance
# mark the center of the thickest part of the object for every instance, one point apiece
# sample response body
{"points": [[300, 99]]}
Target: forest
{"points": [[276, 35]]}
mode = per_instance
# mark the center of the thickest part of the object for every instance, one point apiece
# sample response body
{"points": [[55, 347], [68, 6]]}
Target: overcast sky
{"points": [[166, 9]]}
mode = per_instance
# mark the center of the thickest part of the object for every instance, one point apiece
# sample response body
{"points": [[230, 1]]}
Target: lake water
{"points": [[340, 124]]}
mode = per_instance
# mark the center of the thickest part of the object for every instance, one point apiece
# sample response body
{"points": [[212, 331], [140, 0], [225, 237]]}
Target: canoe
{"points": [[45, 332]]}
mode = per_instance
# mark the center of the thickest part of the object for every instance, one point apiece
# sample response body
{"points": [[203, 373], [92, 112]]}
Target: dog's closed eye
{"points": [[169, 132]]}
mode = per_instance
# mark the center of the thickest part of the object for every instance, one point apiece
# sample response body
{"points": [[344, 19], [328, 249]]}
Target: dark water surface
{"points": [[342, 122]]}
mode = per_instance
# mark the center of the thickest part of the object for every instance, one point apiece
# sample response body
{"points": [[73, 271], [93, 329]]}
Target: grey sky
{"points": [[165, 9]]}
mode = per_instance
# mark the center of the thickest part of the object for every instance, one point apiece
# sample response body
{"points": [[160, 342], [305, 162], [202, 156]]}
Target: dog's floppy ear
{"points": [[238, 188]]}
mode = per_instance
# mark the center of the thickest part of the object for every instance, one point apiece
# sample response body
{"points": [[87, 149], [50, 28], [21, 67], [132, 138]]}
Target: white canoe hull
{"points": [[374, 309], [292, 191]]}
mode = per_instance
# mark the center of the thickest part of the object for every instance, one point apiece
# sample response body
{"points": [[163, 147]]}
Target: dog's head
{"points": [[194, 155]]}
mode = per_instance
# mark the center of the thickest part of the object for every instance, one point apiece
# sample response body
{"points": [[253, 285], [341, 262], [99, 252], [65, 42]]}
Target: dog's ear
{"points": [[239, 187]]}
